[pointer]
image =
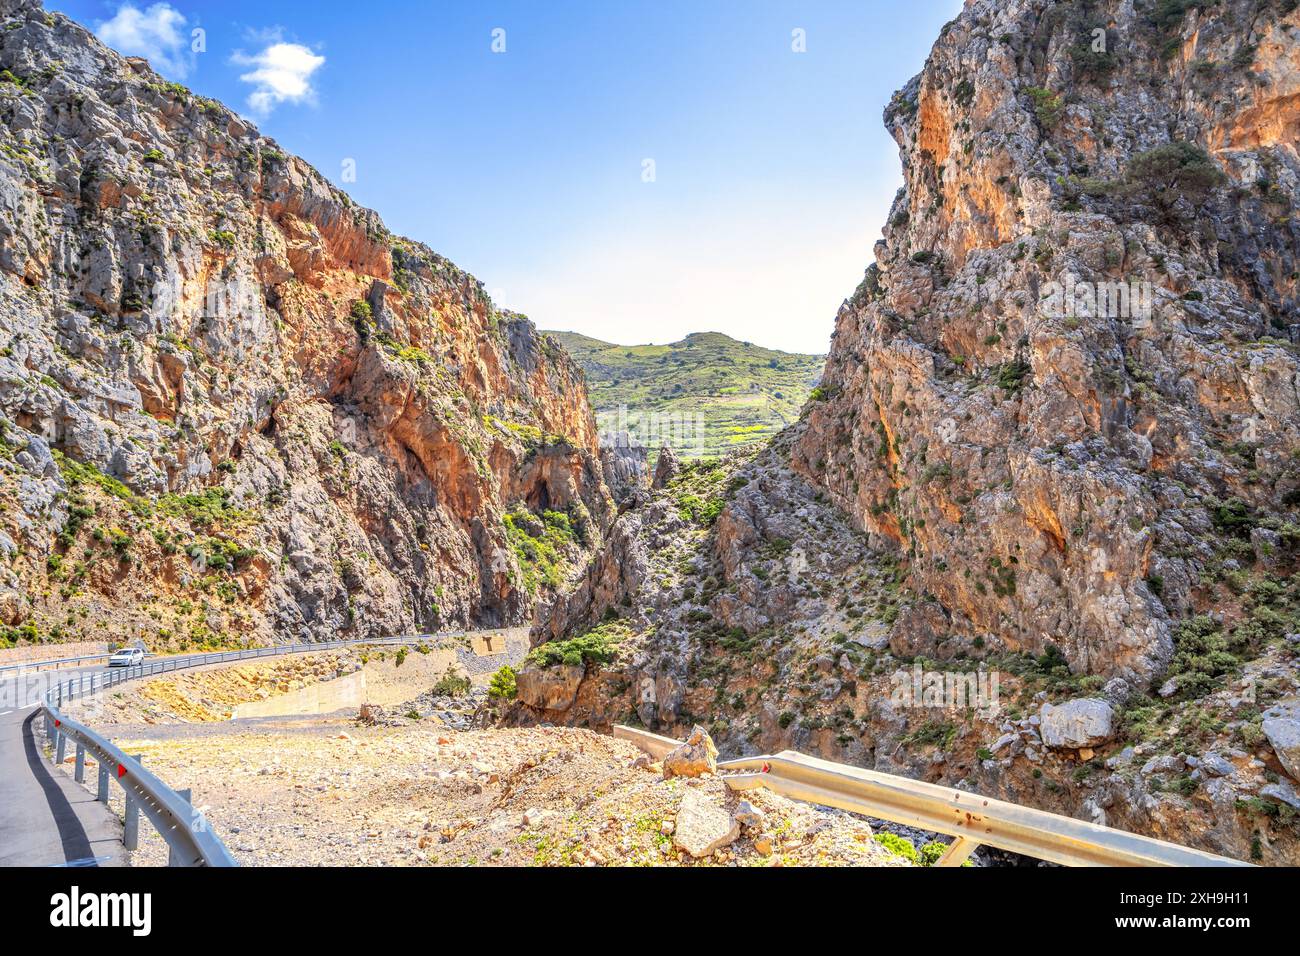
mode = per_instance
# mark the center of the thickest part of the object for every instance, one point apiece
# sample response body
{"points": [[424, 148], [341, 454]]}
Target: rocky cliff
{"points": [[1055, 444], [1068, 386], [234, 406]]}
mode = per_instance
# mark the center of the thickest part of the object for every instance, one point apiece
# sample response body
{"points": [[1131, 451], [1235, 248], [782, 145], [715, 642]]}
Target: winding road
{"points": [[47, 819]]}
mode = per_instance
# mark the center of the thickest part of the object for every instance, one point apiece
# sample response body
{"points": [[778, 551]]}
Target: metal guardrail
{"points": [[189, 838], [397, 639], [972, 819], [55, 662]]}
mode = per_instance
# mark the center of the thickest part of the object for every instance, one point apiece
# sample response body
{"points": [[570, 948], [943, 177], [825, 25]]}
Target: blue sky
{"points": [[772, 173]]}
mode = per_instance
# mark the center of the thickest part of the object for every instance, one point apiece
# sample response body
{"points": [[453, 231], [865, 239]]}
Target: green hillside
{"points": [[704, 395]]}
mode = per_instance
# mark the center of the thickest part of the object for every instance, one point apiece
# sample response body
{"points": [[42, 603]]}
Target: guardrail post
{"points": [[958, 852], [131, 825], [79, 772], [101, 792], [60, 749], [172, 858]]}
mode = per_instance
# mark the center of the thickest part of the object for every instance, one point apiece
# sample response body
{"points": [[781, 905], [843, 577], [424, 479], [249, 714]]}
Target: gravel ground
{"points": [[325, 791], [312, 790]]}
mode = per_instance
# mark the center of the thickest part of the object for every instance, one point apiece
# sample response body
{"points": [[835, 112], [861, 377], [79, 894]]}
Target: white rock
{"points": [[748, 814], [1084, 722], [703, 826], [1281, 791], [1282, 728], [1217, 765], [534, 816], [1003, 741]]}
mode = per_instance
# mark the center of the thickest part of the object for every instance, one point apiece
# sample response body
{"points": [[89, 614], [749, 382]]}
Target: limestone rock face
{"points": [[625, 471], [549, 688], [1085, 722], [1000, 405], [340, 414], [615, 573], [666, 468], [1281, 726]]}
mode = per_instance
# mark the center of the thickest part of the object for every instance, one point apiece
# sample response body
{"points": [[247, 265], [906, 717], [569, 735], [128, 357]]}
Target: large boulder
{"points": [[703, 826], [1084, 722], [12, 604], [549, 688], [625, 467], [1282, 728], [666, 467], [694, 758]]}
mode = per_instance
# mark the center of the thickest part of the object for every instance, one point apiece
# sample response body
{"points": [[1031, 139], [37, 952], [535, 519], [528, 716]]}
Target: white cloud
{"points": [[281, 74], [156, 33]]}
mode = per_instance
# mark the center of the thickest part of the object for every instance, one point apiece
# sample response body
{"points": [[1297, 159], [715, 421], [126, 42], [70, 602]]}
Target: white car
{"points": [[126, 657]]}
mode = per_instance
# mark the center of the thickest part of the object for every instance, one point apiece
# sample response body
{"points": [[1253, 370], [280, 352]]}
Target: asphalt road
{"points": [[46, 818]]}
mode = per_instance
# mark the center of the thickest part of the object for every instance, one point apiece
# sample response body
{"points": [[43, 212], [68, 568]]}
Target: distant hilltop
{"points": [[704, 396]]}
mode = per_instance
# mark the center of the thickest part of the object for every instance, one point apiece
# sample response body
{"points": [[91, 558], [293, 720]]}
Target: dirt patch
{"points": [[325, 792]]}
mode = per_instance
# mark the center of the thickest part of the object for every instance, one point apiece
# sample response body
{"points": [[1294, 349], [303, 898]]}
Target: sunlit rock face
{"points": [[1059, 416], [1071, 376], [188, 310]]}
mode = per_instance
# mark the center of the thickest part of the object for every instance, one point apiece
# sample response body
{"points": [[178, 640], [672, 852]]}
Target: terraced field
{"points": [[704, 395]]}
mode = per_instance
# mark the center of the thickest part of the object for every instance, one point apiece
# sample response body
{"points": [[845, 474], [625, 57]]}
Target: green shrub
{"points": [[932, 733], [77, 473], [218, 554], [1048, 106], [694, 508], [933, 851], [502, 686], [898, 846], [451, 684], [1011, 375], [542, 555], [1090, 63], [1233, 516], [1167, 15], [207, 508], [597, 646], [1202, 655]]}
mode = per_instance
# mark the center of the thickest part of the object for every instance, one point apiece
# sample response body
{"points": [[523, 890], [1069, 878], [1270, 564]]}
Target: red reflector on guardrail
{"points": [[121, 771], [58, 723]]}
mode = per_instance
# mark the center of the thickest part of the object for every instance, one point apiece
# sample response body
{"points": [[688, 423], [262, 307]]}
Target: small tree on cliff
{"points": [[1162, 176]]}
